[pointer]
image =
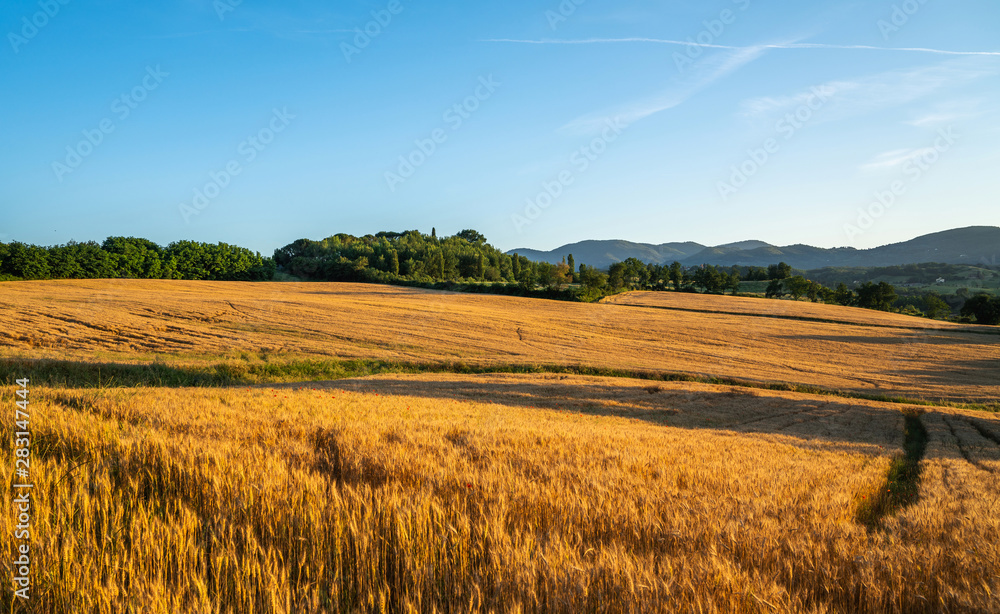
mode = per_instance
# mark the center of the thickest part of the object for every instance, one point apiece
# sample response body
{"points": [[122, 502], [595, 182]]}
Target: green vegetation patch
{"points": [[902, 484]]}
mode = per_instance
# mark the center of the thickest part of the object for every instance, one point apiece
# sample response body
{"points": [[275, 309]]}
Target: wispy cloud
{"points": [[592, 41], [666, 41], [878, 91], [948, 113], [710, 70], [894, 158]]}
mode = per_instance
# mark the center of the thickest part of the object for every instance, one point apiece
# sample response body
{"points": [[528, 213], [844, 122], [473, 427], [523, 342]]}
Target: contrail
{"points": [[662, 41]]}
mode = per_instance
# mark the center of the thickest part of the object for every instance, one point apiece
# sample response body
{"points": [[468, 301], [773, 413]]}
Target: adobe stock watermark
{"points": [[222, 7], [31, 26], [786, 127], [580, 161], [365, 35], [562, 13], [714, 29], [899, 17], [914, 169], [248, 151], [122, 107], [455, 117]]}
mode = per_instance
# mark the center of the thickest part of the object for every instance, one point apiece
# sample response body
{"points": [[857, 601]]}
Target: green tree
{"points": [[798, 286], [437, 264], [562, 275], [880, 296], [985, 308], [394, 262], [710, 279], [779, 271], [528, 276], [630, 273], [592, 278], [469, 235], [935, 306], [813, 292], [26, 261], [135, 258], [546, 274], [572, 267], [843, 296], [775, 289], [676, 275], [732, 282], [63, 263]]}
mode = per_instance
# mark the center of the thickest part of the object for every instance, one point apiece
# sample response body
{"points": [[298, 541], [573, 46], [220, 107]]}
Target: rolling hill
{"points": [[972, 245], [603, 254]]}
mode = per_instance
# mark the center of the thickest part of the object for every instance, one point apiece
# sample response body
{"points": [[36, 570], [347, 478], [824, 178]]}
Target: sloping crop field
{"points": [[137, 320], [504, 493], [431, 490]]}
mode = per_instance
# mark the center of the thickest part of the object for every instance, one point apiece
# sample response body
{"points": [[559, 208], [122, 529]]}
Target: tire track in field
{"points": [[965, 447], [985, 432], [775, 422], [958, 440], [763, 418]]}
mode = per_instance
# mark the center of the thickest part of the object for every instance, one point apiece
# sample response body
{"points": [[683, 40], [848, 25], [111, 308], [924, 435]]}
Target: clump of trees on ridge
{"points": [[129, 257]]}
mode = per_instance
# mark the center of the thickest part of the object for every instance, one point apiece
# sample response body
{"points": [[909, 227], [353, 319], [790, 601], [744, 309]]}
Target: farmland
{"points": [[179, 322], [504, 492]]}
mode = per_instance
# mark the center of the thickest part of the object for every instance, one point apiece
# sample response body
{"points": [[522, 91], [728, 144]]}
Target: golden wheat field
{"points": [[136, 320], [501, 492]]}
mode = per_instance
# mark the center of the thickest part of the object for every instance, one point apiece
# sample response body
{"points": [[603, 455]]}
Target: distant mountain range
{"points": [[972, 245]]}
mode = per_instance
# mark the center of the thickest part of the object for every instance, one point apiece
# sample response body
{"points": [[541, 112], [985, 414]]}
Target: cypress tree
{"points": [[394, 262]]}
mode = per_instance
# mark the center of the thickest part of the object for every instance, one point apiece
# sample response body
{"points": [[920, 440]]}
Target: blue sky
{"points": [[537, 123]]}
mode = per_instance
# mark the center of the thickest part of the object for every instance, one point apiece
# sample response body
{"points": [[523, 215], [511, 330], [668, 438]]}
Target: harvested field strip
{"points": [[235, 373]]}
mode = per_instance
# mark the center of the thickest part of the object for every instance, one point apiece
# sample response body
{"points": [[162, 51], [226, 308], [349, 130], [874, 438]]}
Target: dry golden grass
{"points": [[502, 493], [136, 320]]}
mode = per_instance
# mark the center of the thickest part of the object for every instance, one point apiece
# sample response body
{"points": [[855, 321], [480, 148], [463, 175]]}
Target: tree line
{"points": [[135, 258], [632, 274], [464, 261]]}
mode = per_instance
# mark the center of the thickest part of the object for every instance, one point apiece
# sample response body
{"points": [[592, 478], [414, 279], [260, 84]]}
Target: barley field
{"points": [[497, 492], [504, 493]]}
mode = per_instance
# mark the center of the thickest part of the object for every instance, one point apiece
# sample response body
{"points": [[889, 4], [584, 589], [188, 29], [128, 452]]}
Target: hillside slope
{"points": [[143, 320]]}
